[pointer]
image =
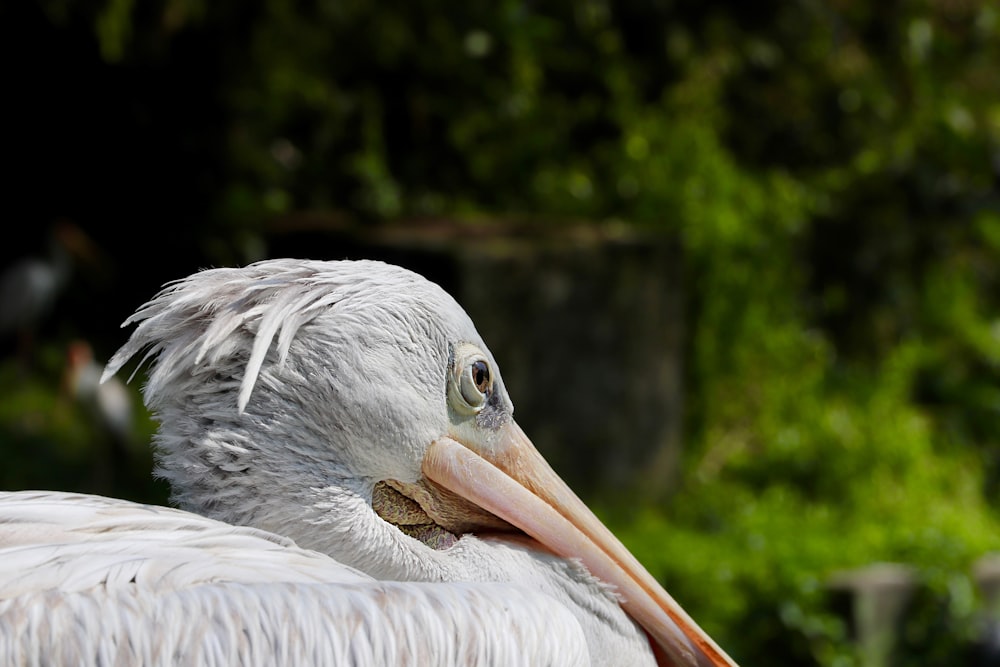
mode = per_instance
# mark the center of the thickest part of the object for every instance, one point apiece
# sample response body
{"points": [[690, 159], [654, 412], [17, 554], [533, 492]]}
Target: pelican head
{"points": [[354, 407]]}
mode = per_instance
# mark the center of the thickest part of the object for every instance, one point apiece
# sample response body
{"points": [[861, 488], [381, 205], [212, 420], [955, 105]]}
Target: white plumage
{"points": [[353, 408], [89, 579]]}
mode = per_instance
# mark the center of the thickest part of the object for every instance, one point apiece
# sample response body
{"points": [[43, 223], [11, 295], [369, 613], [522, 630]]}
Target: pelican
{"points": [[31, 286], [109, 401], [352, 490]]}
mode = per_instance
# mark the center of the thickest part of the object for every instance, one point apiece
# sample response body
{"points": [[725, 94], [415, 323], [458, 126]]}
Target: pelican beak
{"points": [[515, 483]]}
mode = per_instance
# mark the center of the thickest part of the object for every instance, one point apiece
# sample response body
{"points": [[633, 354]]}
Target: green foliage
{"points": [[819, 476]]}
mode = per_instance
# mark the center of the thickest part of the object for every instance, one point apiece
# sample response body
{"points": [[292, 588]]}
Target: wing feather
{"points": [[90, 580]]}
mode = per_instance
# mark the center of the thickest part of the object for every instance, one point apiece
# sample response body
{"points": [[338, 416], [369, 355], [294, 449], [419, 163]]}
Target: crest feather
{"points": [[195, 320]]}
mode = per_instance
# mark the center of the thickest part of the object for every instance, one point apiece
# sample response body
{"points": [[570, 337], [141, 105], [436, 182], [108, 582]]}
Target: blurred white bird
{"points": [[109, 402], [353, 408], [30, 287]]}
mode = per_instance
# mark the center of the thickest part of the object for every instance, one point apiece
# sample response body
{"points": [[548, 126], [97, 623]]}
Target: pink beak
{"points": [[515, 483]]}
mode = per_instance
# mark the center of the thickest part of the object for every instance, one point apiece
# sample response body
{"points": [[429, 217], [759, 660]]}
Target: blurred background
{"points": [[739, 263]]}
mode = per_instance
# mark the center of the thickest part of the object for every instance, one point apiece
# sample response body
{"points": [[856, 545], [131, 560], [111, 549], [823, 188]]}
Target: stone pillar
{"points": [[874, 599], [986, 572], [589, 336]]}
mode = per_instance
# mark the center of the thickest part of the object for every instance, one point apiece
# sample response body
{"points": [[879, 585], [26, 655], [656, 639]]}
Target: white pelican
{"points": [[354, 491], [31, 286], [108, 402]]}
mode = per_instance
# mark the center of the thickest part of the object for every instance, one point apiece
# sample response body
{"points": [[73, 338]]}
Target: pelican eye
{"points": [[472, 380], [475, 383], [481, 375]]}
